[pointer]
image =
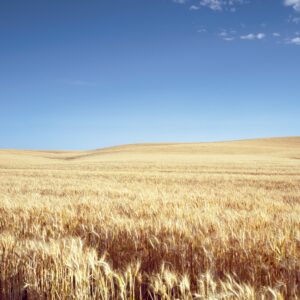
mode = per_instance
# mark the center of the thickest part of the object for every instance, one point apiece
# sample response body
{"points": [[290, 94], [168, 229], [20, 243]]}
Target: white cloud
{"points": [[295, 20], [194, 7], [227, 35], [219, 5], [223, 33], [252, 36], [295, 41], [276, 34], [212, 4], [216, 5], [260, 36], [180, 1], [202, 30], [249, 36], [294, 3]]}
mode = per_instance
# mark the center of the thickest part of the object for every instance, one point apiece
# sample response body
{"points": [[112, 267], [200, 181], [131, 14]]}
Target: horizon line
{"points": [[153, 143]]}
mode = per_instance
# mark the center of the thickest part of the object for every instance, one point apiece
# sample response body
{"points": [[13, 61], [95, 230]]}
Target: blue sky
{"points": [[80, 74]]}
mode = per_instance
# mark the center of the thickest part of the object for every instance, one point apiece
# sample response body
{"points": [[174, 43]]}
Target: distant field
{"points": [[153, 221]]}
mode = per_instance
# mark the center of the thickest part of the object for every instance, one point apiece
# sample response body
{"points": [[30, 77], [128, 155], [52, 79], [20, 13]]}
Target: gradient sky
{"points": [[77, 74]]}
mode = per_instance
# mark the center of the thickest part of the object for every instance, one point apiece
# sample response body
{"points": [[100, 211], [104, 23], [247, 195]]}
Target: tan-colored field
{"points": [[157, 221]]}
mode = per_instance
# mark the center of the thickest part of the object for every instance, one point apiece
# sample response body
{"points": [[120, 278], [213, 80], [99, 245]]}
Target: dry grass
{"points": [[185, 221]]}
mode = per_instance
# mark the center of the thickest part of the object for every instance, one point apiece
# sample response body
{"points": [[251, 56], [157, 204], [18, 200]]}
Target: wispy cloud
{"points": [[293, 3], [215, 5], [276, 34], [252, 36], [212, 4], [77, 82], [293, 19], [219, 5], [202, 30], [231, 6], [194, 7], [180, 1], [228, 39], [227, 35]]}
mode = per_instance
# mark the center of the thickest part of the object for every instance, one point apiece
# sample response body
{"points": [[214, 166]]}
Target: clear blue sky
{"points": [[77, 74]]}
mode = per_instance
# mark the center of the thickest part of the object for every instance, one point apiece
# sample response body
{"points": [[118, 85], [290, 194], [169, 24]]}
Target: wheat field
{"points": [[152, 221]]}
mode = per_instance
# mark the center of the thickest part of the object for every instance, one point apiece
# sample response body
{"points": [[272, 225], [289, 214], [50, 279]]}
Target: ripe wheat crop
{"points": [[156, 221]]}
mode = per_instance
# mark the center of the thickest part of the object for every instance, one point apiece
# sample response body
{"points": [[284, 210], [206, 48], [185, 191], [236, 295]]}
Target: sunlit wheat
{"points": [[168, 221]]}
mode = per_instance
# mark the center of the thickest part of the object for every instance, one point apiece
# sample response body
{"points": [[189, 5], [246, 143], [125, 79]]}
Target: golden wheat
{"points": [[165, 221]]}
